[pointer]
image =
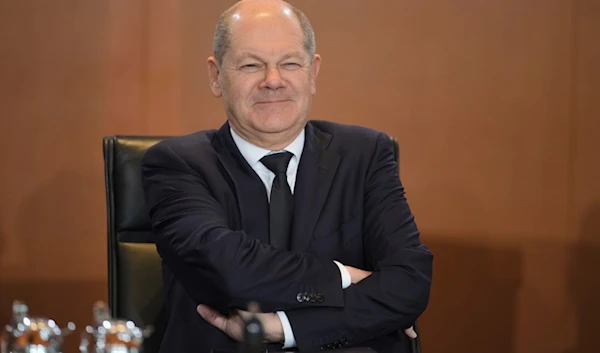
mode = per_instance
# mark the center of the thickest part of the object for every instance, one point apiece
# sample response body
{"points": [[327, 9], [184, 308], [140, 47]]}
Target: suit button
{"points": [[320, 298], [300, 297]]}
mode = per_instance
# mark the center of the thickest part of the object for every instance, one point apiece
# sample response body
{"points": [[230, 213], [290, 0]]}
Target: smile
{"points": [[273, 101]]}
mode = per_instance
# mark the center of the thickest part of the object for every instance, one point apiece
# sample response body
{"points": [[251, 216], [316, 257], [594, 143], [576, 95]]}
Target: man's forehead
{"points": [[248, 37]]}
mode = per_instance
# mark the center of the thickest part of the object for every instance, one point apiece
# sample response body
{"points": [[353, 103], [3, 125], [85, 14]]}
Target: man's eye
{"points": [[250, 66], [291, 65]]}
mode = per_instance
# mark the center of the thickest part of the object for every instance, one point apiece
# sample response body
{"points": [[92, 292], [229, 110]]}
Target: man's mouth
{"points": [[271, 101]]}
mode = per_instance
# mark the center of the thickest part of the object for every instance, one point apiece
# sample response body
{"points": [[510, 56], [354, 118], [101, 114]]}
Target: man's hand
{"points": [[234, 324], [356, 274], [411, 333]]}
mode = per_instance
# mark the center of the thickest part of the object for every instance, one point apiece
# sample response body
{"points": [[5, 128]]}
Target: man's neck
{"points": [[271, 142]]}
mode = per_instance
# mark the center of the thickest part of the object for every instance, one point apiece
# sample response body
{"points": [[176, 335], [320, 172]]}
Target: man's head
{"points": [[264, 67]]}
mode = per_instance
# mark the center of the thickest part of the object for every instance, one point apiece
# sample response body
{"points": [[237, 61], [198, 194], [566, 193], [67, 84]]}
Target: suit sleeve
{"points": [[218, 266], [398, 290]]}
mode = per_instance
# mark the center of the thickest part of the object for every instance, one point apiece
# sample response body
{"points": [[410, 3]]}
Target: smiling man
{"points": [[307, 218]]}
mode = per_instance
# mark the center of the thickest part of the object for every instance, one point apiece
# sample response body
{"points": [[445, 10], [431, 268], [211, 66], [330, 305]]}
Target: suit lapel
{"points": [[249, 189], [315, 174]]}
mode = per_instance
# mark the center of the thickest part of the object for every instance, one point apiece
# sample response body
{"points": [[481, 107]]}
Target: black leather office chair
{"points": [[134, 267]]}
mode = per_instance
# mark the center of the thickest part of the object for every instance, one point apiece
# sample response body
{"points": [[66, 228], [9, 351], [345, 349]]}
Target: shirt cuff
{"points": [[288, 334], [346, 279]]}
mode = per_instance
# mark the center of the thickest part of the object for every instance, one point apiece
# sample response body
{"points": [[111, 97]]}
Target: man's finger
{"points": [[245, 314], [410, 332], [212, 317]]}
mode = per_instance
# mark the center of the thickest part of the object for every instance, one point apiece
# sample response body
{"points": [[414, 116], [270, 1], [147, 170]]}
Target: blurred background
{"points": [[496, 105]]}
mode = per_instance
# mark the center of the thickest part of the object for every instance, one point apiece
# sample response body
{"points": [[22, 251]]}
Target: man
{"points": [[306, 218]]}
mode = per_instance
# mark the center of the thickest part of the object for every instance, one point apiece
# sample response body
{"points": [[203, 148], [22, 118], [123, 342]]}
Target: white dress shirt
{"points": [[253, 154]]}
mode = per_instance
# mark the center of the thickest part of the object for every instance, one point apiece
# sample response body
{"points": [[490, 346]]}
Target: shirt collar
{"points": [[253, 153]]}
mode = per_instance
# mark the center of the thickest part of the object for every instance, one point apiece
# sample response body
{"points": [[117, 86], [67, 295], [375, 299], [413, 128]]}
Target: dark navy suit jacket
{"points": [[210, 216]]}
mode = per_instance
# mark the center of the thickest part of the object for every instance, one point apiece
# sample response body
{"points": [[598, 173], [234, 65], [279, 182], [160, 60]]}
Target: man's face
{"points": [[267, 78]]}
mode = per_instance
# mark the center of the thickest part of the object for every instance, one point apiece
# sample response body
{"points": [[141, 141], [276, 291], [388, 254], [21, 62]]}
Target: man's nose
{"points": [[273, 79]]}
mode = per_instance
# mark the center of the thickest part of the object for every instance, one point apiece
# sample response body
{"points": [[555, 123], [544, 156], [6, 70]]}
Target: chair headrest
{"points": [[124, 192]]}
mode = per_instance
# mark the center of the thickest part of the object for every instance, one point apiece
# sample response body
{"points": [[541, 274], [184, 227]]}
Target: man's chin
{"points": [[276, 125]]}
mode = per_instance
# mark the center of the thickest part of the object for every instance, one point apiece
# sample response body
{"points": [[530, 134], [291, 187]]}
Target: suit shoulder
{"points": [[347, 133], [184, 146]]}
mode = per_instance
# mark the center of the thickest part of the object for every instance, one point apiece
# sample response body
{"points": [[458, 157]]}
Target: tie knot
{"points": [[277, 162]]}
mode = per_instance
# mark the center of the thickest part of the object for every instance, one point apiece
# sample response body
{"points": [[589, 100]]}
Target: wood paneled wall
{"points": [[496, 105]]}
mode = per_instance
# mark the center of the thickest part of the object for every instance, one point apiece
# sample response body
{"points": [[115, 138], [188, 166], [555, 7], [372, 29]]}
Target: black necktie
{"points": [[281, 206]]}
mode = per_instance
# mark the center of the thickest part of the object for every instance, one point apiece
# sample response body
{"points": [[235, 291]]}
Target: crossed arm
{"points": [[233, 325], [193, 238]]}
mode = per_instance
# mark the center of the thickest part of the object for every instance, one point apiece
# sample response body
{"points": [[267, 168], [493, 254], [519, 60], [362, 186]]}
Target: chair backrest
{"points": [[134, 266]]}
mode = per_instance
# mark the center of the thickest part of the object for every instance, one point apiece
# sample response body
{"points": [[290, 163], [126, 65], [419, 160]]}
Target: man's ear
{"points": [[314, 72], [213, 76]]}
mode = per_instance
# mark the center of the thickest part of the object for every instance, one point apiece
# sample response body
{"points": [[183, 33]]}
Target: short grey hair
{"points": [[222, 41]]}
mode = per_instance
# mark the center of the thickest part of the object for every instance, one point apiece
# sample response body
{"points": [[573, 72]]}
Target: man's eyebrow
{"points": [[292, 55], [256, 57], [249, 56]]}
